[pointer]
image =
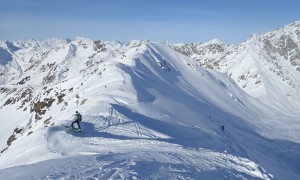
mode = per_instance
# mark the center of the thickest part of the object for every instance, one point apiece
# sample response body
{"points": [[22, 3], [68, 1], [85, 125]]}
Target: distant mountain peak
{"points": [[136, 43], [214, 41]]}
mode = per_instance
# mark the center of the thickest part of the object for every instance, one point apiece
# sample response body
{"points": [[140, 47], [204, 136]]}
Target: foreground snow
{"points": [[99, 155]]}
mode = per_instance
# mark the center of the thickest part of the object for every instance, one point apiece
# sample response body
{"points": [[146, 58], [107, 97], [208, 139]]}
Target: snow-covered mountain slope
{"points": [[148, 112], [265, 66]]}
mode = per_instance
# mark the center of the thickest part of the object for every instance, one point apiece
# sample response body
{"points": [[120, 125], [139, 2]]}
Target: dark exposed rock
{"points": [[18, 130], [47, 121], [60, 98], [24, 95], [11, 139], [4, 150], [49, 79], [99, 46], [24, 80], [9, 101], [41, 107]]}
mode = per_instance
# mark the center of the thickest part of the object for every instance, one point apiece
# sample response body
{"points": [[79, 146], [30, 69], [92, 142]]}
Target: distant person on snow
{"points": [[77, 120], [222, 127]]}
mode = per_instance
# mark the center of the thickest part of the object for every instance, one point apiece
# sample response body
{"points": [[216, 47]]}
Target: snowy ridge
{"points": [[265, 66], [148, 112]]}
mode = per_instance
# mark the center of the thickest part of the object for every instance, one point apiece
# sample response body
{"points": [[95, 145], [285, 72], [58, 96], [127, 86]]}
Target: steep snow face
{"points": [[266, 66], [143, 105]]}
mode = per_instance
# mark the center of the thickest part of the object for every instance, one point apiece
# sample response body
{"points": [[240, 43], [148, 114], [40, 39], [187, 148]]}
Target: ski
{"points": [[72, 129]]}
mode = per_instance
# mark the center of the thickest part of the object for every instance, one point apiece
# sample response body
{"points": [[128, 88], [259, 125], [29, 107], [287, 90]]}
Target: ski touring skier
{"points": [[77, 120]]}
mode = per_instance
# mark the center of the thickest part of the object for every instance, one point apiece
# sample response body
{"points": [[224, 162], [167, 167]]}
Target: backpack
{"points": [[79, 117]]}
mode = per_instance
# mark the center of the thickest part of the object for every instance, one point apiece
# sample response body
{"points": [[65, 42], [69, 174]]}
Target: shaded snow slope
{"points": [[148, 112], [265, 66]]}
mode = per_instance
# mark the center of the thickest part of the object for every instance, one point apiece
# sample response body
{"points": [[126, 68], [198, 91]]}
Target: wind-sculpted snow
{"points": [[166, 161], [149, 112]]}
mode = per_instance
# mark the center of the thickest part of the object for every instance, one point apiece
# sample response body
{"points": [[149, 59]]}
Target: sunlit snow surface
{"points": [[152, 113]]}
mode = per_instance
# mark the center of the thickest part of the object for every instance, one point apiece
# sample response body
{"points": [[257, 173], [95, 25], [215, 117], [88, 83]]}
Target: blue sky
{"points": [[231, 21]]}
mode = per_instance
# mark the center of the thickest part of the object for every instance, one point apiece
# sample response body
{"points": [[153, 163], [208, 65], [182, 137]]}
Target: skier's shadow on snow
{"points": [[89, 130], [178, 134]]}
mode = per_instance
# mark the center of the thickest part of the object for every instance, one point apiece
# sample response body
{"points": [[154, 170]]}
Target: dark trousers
{"points": [[76, 121]]}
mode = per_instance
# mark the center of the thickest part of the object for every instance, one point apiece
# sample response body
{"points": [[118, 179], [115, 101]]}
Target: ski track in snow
{"points": [[149, 161], [123, 157], [97, 155]]}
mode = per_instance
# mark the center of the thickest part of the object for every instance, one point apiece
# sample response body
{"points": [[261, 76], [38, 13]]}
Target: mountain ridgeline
{"points": [[265, 66], [212, 100]]}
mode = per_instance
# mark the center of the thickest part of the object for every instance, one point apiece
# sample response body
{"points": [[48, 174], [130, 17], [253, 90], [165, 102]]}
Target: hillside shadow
{"points": [[183, 135], [5, 56], [144, 79], [240, 142], [89, 131]]}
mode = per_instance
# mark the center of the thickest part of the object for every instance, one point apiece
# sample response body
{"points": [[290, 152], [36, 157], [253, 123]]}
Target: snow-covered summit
{"points": [[148, 111], [137, 43], [213, 41]]}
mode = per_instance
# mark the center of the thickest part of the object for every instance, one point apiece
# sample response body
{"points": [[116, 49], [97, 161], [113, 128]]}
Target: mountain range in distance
{"points": [[143, 102]]}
